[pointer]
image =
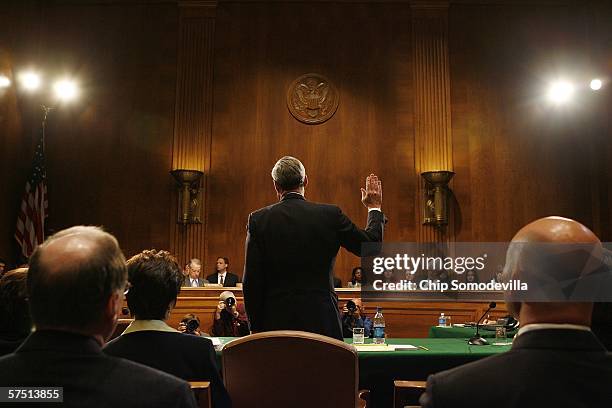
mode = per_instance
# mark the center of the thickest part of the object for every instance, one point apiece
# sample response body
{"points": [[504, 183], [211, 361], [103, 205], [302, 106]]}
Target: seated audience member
{"points": [[190, 324], [229, 319], [389, 277], [76, 281], [192, 277], [353, 315], [15, 323], [356, 278], [555, 359], [222, 276], [471, 276], [155, 279]]}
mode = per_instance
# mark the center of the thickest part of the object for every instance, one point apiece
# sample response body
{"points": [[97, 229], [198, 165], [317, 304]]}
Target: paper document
{"points": [[384, 347]]}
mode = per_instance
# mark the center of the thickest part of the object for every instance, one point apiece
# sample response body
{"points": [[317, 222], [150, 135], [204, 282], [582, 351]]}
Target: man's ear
{"points": [[305, 180], [278, 189], [113, 306]]}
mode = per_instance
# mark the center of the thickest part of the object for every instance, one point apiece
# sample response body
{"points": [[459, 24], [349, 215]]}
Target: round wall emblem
{"points": [[312, 99]]}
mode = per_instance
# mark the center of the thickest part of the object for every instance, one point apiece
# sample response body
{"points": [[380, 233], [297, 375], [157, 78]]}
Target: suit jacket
{"points": [[291, 249], [90, 378], [186, 356], [9, 343], [187, 282], [544, 368], [231, 279]]}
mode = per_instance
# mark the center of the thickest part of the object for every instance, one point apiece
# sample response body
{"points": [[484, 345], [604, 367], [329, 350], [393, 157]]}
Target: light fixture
{"points": [[435, 210], [596, 84], [30, 80], [189, 195], [560, 92], [5, 82], [65, 90]]}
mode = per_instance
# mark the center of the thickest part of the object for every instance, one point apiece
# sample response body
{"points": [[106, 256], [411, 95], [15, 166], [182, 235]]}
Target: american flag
{"points": [[30, 230]]}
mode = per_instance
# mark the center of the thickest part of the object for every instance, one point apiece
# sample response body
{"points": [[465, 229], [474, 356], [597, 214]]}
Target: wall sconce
{"points": [[435, 211], [189, 195]]}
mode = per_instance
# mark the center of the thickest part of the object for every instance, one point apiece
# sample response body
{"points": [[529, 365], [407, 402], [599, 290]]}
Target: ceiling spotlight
{"points": [[30, 80], [65, 89], [596, 84], [5, 82], [560, 92]]}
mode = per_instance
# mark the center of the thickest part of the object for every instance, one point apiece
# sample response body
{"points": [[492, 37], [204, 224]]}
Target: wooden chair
{"points": [[407, 393], [201, 390], [292, 369]]}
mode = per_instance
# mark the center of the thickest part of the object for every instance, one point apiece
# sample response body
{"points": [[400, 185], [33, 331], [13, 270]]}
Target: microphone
{"points": [[477, 340]]}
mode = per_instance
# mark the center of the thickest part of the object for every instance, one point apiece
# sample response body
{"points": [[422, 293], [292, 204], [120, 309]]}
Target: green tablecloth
{"points": [[377, 370], [453, 332]]}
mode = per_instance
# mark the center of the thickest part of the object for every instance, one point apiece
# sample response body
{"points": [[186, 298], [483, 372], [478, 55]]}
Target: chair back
{"points": [[290, 369], [407, 393], [201, 391]]}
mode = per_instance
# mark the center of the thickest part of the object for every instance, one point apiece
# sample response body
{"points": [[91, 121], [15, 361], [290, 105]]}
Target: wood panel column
{"points": [[432, 114], [193, 117]]}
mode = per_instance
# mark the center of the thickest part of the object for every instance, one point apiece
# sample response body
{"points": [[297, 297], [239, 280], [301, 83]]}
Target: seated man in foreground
{"points": [[76, 282], [555, 359], [155, 279]]}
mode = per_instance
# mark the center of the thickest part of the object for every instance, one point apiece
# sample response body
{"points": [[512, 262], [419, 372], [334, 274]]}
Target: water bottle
{"points": [[379, 327], [442, 320]]}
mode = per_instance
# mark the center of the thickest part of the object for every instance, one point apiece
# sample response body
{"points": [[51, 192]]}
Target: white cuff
{"points": [[374, 209]]}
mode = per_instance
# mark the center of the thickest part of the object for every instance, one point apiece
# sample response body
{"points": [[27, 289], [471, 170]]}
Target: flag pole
{"points": [[46, 109]]}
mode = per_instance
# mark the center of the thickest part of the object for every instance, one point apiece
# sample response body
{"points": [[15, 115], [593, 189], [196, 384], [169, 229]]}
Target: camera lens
{"points": [[230, 301]]}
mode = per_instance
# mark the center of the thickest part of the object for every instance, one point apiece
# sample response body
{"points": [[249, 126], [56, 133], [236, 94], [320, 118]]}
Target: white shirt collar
{"points": [[154, 325], [556, 326], [221, 274]]}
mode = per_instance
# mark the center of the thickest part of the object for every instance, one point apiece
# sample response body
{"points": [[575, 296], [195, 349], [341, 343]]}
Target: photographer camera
{"points": [[353, 315], [230, 318], [190, 324]]}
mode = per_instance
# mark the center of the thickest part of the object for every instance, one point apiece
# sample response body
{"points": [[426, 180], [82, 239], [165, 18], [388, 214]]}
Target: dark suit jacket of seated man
{"points": [[89, 377], [231, 279], [291, 248]]}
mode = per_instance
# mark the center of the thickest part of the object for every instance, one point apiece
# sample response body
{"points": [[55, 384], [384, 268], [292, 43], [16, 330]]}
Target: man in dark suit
{"points": [[155, 278], [76, 281], [291, 248], [15, 323], [192, 278], [222, 276], [555, 359]]}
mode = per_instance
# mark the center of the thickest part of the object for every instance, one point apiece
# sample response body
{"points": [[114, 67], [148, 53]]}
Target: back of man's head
{"points": [[72, 277], [14, 313], [156, 280], [545, 250], [289, 173]]}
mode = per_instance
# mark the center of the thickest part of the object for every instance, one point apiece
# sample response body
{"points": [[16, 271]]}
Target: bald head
{"points": [[555, 230], [72, 276], [552, 250]]}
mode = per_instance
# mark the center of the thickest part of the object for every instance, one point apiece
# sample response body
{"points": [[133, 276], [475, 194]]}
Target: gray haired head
{"points": [[289, 173]]}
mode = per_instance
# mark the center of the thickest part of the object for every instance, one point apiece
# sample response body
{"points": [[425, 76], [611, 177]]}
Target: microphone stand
{"points": [[477, 340]]}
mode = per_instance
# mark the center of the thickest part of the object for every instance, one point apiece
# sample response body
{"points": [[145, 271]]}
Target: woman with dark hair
{"points": [[15, 323], [156, 278], [357, 278]]}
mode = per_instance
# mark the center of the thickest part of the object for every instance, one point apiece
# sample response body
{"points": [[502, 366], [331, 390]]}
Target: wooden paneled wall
{"points": [[162, 91]]}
